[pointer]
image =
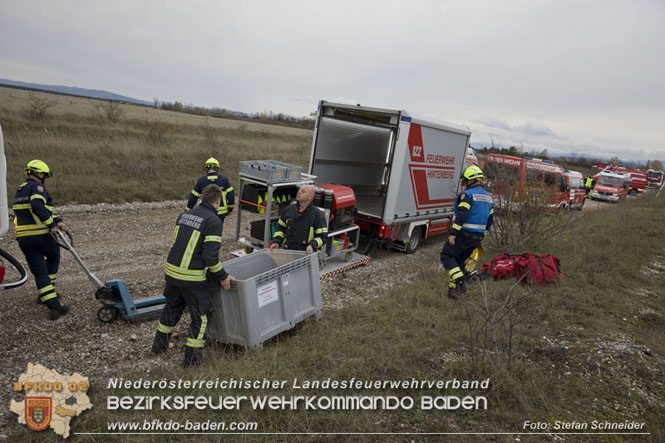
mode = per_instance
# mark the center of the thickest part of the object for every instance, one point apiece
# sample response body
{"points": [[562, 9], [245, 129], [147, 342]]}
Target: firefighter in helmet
{"points": [[193, 254], [34, 221], [473, 217], [213, 177]]}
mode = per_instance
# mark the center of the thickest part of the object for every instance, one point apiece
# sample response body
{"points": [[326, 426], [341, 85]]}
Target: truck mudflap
{"points": [[374, 242], [377, 235]]}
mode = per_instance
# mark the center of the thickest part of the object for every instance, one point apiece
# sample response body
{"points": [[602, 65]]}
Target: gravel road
{"points": [[130, 242]]}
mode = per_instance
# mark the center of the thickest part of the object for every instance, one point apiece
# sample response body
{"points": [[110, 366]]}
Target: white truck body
{"points": [[4, 204], [404, 171]]}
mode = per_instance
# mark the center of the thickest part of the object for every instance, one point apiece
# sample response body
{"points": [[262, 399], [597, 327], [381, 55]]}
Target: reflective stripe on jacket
{"points": [[196, 241], [33, 209], [228, 194], [297, 230], [473, 210]]}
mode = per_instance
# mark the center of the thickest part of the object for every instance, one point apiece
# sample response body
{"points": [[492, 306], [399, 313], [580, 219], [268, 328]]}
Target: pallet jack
{"points": [[113, 294]]}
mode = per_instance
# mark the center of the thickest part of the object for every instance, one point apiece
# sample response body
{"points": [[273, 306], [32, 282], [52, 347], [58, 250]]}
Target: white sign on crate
{"points": [[267, 293]]}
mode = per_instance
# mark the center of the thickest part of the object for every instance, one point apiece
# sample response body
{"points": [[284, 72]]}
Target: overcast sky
{"points": [[570, 76]]}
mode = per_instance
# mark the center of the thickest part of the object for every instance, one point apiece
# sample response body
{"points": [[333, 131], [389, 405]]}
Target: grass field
{"points": [[149, 155]]}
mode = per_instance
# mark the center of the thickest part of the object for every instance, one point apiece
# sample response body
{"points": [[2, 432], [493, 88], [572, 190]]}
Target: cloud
{"points": [[539, 73], [532, 132]]}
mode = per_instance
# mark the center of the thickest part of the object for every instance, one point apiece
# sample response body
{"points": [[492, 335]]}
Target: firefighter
{"points": [[473, 217], [34, 221], [196, 242], [301, 226], [212, 177], [589, 184]]}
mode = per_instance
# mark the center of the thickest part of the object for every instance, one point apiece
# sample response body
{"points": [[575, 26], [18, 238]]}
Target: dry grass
{"points": [[148, 155]]}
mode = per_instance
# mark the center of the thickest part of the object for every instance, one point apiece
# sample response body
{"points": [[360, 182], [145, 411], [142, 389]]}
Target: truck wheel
{"points": [[414, 240], [633, 192], [107, 314]]}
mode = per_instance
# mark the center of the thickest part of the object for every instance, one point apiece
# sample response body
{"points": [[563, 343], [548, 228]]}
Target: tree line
{"points": [[269, 117]]}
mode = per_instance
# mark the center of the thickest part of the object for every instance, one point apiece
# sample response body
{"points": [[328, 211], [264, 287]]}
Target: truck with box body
{"points": [[404, 171]]}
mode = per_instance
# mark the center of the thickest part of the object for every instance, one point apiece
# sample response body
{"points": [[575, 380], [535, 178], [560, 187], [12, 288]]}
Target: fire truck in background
{"points": [[506, 175], [404, 171], [576, 191], [655, 178], [610, 186], [638, 180], [471, 157]]}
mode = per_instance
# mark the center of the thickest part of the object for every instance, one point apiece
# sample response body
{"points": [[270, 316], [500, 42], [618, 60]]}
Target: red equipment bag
{"points": [[502, 266], [2, 272], [538, 269]]}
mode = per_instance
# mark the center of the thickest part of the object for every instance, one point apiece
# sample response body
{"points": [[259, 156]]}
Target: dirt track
{"points": [[130, 242]]}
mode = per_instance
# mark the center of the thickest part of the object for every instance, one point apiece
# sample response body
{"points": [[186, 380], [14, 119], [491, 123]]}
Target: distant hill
{"points": [[71, 90]]}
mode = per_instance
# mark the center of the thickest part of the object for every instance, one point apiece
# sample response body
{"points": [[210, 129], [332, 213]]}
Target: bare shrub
{"points": [[113, 111], [527, 214], [492, 319], [109, 111], [38, 106]]}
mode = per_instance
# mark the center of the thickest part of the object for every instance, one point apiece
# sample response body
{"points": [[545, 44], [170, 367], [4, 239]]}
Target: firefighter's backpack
{"points": [[534, 269], [502, 266]]}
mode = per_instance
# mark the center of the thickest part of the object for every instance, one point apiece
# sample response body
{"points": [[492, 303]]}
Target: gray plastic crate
{"points": [[292, 171], [273, 292], [270, 171]]}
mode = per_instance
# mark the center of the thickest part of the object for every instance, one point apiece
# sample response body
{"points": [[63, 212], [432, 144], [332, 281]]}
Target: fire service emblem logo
{"points": [[38, 412]]}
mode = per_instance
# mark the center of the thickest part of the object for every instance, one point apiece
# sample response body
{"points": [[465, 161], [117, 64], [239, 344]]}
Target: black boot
{"points": [[161, 342], [193, 356], [58, 311]]}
